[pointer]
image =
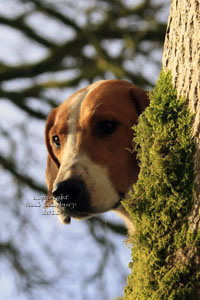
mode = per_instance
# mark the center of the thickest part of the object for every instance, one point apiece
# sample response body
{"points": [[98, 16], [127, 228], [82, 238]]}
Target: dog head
{"points": [[90, 167]]}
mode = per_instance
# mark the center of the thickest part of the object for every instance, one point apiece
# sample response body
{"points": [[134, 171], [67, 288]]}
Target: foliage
{"points": [[161, 200]]}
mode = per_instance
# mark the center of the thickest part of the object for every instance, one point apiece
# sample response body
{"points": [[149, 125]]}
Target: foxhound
{"points": [[90, 167]]}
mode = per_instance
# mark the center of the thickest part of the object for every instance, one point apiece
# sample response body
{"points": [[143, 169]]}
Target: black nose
{"points": [[72, 194]]}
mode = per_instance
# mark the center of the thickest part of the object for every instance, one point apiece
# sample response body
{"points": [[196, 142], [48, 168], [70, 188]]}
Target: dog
{"points": [[90, 167]]}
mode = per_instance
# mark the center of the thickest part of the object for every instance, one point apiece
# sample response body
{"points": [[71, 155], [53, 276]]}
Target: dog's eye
{"points": [[106, 127], [56, 141]]}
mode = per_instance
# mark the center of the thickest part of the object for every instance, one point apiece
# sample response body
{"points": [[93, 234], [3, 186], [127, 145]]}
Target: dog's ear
{"points": [[52, 162], [140, 98], [51, 173]]}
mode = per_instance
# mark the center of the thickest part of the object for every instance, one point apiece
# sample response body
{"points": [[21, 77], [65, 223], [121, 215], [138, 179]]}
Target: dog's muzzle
{"points": [[72, 197]]}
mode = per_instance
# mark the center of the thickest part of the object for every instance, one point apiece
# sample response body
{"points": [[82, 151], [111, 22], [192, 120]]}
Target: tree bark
{"points": [[182, 57]]}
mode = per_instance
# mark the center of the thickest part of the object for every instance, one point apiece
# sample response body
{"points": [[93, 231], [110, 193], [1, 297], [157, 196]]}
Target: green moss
{"points": [[162, 199]]}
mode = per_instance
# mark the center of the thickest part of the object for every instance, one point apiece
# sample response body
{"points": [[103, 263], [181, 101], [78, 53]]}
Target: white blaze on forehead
{"points": [[74, 110]]}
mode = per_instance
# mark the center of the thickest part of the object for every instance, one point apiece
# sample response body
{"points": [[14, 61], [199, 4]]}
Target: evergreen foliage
{"points": [[162, 199]]}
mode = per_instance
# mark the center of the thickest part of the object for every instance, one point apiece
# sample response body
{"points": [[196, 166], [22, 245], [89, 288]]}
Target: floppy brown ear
{"points": [[140, 98], [52, 162], [51, 173]]}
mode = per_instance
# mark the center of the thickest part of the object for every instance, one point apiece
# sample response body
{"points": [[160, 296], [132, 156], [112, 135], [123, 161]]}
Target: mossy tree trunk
{"points": [[182, 58], [165, 203]]}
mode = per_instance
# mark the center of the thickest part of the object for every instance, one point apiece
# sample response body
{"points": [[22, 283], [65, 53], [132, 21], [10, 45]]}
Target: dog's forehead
{"points": [[64, 110], [111, 96], [104, 95], [67, 113]]}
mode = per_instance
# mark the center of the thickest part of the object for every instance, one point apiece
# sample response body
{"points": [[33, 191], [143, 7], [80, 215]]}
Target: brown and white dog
{"points": [[90, 167]]}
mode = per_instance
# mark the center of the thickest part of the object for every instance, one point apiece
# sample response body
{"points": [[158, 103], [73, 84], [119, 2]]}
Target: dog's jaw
{"points": [[66, 218]]}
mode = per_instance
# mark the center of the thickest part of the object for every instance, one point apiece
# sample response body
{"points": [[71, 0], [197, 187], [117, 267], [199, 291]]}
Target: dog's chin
{"points": [[65, 217]]}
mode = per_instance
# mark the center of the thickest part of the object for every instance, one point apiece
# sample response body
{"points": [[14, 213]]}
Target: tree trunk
{"points": [[165, 204], [182, 58]]}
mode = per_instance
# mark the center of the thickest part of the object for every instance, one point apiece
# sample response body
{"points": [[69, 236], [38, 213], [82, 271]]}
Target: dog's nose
{"points": [[72, 193]]}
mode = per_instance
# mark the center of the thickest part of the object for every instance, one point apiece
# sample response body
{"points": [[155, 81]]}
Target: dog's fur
{"points": [[93, 162]]}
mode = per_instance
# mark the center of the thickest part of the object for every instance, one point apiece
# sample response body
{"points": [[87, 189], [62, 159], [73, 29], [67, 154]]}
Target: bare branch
{"points": [[11, 167], [26, 30]]}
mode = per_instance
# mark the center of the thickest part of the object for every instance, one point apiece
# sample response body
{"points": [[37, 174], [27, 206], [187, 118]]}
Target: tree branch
{"points": [[26, 30], [11, 167], [53, 62]]}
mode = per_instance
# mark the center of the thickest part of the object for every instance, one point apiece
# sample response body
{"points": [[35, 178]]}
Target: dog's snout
{"points": [[72, 193], [68, 188]]}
